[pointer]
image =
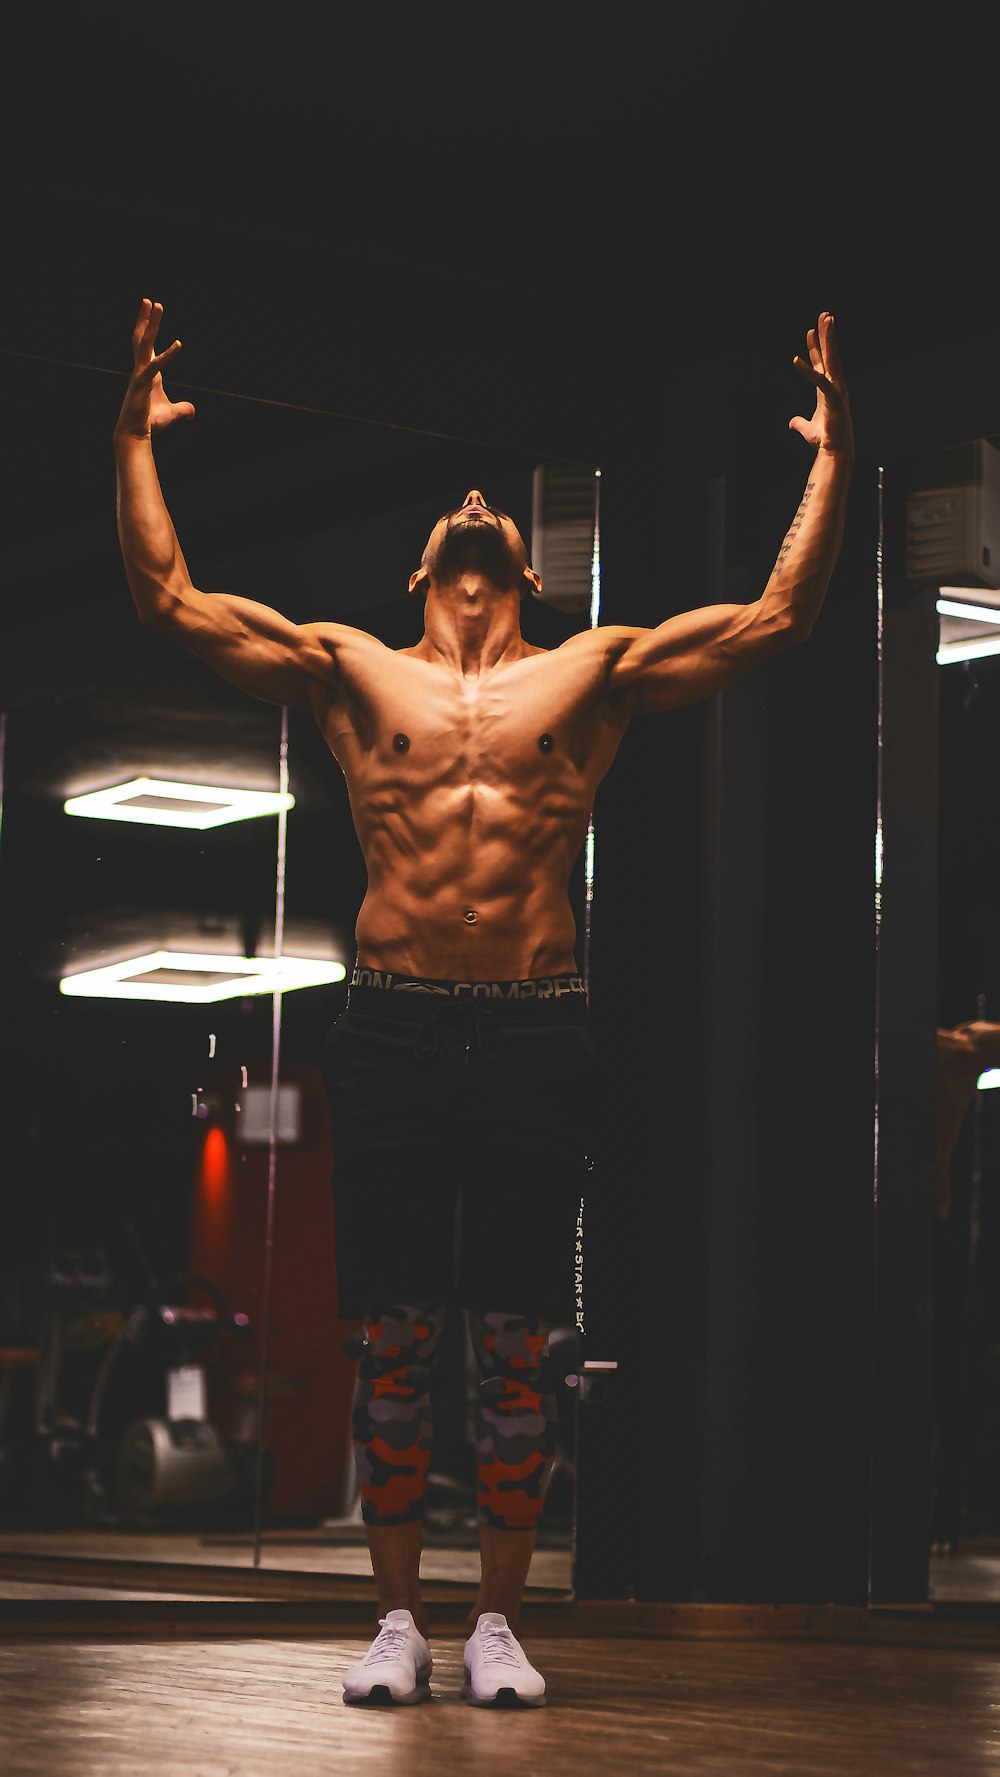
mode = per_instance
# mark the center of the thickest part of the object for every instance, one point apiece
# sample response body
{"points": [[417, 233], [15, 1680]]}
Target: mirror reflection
{"points": [[186, 1304], [953, 548]]}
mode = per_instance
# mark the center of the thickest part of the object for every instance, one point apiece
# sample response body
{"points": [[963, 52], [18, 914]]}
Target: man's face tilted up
{"points": [[475, 539]]}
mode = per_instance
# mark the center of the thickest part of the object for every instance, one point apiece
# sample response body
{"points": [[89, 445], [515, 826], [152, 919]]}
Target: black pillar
{"points": [[907, 993], [734, 988]]}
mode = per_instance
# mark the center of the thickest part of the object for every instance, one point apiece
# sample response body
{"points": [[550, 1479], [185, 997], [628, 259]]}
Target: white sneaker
{"points": [[396, 1667], [497, 1671]]}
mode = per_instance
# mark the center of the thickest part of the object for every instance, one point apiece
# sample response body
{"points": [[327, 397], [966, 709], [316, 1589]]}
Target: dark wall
{"points": [[733, 988]]}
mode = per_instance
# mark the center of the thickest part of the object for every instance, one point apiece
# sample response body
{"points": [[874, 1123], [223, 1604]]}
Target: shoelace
{"points": [[499, 1647], [388, 1644]]}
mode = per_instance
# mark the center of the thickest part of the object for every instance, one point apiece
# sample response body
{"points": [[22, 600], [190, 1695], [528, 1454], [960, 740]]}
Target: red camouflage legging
{"points": [[516, 1423]]}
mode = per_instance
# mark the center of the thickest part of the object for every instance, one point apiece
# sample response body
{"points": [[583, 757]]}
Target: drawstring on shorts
{"points": [[454, 1025]]}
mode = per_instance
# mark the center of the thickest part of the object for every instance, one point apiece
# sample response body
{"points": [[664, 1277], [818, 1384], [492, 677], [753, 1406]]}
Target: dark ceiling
{"points": [[413, 246], [559, 228], [545, 225], [377, 209]]}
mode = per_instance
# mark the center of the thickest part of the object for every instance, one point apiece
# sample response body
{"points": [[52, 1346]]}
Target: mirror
{"points": [[175, 1379], [944, 616], [966, 1451]]}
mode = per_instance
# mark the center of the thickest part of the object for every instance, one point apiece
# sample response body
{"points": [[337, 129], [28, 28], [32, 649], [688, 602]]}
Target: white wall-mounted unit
{"points": [[953, 517], [562, 535]]}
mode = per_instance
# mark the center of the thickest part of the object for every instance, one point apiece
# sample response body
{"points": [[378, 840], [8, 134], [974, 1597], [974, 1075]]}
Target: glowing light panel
{"points": [[199, 979], [161, 803], [977, 648], [975, 613], [988, 1080]]}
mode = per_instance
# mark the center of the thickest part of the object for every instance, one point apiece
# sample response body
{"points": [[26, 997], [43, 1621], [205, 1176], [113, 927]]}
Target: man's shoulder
{"points": [[603, 641], [343, 643]]}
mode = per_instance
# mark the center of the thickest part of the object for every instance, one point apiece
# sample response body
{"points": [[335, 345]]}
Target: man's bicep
{"points": [[256, 648], [692, 655]]}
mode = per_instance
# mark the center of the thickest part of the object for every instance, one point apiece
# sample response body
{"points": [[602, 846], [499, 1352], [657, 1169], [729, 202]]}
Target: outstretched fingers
{"points": [[830, 426], [823, 368], [816, 377], [145, 330], [140, 326], [831, 350], [144, 334]]}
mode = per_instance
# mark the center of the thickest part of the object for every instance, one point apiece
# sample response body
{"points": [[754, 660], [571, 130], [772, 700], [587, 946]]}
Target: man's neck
{"points": [[471, 625]]}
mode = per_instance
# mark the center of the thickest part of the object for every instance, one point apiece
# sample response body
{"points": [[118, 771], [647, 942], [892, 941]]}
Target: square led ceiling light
{"points": [[970, 624], [198, 979], [161, 803]]}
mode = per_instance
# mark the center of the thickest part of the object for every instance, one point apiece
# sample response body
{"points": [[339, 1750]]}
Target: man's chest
{"points": [[536, 718]]}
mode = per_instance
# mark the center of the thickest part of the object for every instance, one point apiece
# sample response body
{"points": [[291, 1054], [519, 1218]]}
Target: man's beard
{"points": [[475, 546]]}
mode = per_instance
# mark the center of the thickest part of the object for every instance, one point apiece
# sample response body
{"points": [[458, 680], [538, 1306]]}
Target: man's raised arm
{"points": [[249, 644], [693, 655]]}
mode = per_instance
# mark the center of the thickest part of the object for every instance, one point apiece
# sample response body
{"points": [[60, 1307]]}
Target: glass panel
{"points": [[308, 1515], [937, 1378], [124, 1034], [965, 1474], [175, 1384]]}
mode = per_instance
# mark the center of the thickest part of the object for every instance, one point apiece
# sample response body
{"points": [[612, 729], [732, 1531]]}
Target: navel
{"points": [[545, 743], [401, 743], [470, 916]]}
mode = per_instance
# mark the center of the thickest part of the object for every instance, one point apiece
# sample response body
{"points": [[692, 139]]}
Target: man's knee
{"points": [[508, 1345], [401, 1336], [391, 1410]]}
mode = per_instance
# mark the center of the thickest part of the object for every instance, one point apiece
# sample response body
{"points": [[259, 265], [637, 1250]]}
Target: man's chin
{"points": [[478, 547]]}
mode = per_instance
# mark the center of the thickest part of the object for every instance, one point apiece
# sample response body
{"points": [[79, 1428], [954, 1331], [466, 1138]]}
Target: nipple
{"points": [[401, 743], [545, 743]]}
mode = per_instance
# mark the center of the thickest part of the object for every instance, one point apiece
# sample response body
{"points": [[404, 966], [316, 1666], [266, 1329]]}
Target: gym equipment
{"points": [[176, 1460], [120, 1429]]}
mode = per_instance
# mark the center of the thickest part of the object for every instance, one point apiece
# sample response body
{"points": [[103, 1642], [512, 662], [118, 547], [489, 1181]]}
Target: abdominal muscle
{"points": [[471, 815], [408, 935], [427, 875]]}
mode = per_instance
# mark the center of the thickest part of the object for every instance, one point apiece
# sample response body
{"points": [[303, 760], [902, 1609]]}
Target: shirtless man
{"points": [[463, 1068]]}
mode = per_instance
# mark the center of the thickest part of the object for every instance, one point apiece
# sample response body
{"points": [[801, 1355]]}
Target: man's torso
{"points": [[470, 796]]}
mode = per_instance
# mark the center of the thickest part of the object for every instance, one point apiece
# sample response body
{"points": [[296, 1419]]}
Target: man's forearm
{"points": [[154, 562], [797, 585]]}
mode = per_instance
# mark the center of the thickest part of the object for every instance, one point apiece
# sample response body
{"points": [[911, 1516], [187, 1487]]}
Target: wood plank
{"points": [[311, 1566], [737, 1709], [197, 1581]]}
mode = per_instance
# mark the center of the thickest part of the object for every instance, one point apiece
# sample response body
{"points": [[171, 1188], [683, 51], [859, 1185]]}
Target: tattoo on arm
{"points": [[794, 527]]}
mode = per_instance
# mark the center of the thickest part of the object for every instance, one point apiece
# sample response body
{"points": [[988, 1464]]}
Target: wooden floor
{"points": [[624, 1708], [294, 1555], [125, 1657]]}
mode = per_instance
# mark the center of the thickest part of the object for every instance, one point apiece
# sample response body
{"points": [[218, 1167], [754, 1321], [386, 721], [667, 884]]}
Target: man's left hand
{"points": [[830, 428]]}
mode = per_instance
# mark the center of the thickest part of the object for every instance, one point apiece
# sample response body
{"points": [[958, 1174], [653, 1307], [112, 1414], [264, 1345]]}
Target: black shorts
{"points": [[463, 1125]]}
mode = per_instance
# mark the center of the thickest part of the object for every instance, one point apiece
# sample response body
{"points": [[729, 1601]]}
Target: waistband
{"points": [[378, 989]]}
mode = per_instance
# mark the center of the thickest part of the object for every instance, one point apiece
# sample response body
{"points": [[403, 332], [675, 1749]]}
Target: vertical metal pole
{"points": [[3, 739], [879, 866], [272, 1146], [879, 860], [591, 845], [588, 877]]}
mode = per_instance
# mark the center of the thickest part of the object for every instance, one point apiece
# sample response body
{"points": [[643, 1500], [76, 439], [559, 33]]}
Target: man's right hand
{"points": [[146, 408]]}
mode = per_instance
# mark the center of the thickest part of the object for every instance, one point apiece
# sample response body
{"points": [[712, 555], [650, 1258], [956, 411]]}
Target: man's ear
{"points": [[532, 583], [419, 581]]}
